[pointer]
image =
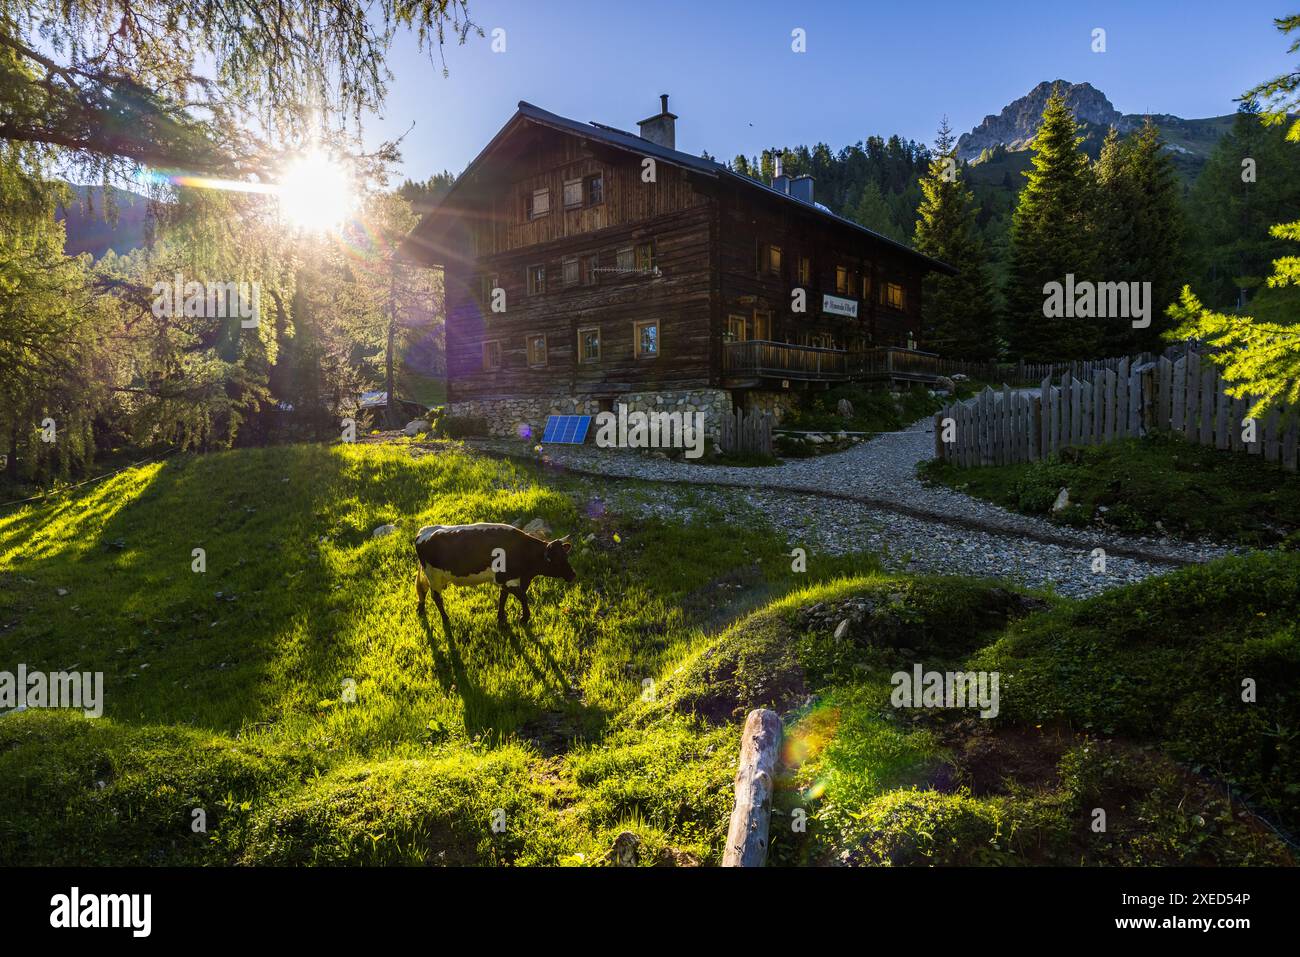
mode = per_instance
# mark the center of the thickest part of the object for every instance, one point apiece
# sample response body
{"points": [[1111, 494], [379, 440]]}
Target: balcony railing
{"points": [[781, 360], [893, 362]]}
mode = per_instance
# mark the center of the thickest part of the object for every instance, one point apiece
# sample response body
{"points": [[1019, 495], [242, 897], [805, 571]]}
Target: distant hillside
{"points": [[1012, 131], [87, 221]]}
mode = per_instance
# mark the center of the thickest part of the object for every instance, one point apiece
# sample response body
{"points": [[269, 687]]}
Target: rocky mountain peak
{"points": [[1016, 125]]}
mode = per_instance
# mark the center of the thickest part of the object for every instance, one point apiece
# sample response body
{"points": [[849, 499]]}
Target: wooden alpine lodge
{"points": [[585, 265]]}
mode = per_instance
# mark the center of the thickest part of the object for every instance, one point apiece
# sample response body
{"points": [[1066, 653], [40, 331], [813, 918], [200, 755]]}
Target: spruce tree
{"points": [[1155, 236], [872, 210], [1049, 239], [957, 313]]}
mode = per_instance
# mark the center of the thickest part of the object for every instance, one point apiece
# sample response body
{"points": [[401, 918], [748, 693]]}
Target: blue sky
{"points": [[870, 68]]}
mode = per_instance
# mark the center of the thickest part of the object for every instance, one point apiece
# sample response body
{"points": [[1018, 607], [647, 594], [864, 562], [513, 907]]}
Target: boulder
{"points": [[960, 377], [844, 408], [539, 528], [943, 382], [1062, 501], [415, 427], [842, 629], [383, 530]]}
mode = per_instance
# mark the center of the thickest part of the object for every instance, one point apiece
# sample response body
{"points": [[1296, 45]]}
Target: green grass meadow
{"points": [[291, 701]]}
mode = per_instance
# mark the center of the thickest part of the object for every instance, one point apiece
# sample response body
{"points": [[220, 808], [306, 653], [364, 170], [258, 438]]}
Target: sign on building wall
{"points": [[837, 306]]}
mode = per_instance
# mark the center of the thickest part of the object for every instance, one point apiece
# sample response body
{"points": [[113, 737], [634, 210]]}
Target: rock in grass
{"points": [[383, 530], [626, 848], [1062, 500], [415, 427], [842, 628], [539, 528]]}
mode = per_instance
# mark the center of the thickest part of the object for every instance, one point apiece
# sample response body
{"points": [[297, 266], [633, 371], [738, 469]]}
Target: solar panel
{"points": [[566, 429]]}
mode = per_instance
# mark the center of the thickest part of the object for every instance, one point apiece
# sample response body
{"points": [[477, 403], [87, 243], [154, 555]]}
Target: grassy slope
{"points": [[1129, 702], [1191, 490], [556, 728]]}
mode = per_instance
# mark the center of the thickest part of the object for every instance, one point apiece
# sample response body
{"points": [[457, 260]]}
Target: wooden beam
{"points": [[760, 744]]}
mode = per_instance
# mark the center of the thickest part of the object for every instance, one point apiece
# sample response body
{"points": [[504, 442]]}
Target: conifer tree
{"points": [[957, 312], [1155, 254], [1050, 239], [872, 210], [1137, 231]]}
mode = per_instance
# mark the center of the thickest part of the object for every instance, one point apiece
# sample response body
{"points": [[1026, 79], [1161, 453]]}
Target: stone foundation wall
{"points": [[526, 415], [780, 404]]}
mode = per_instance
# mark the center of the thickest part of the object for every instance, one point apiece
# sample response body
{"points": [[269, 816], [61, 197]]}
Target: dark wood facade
{"points": [[687, 255]]}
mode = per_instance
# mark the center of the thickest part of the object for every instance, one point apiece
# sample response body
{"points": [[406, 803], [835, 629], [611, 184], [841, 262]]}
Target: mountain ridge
{"points": [[1016, 125]]}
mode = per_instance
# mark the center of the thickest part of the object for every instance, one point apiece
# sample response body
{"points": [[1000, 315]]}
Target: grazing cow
{"points": [[486, 552]]}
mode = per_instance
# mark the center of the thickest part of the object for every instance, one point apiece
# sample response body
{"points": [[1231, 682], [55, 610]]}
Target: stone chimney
{"points": [[660, 128]]}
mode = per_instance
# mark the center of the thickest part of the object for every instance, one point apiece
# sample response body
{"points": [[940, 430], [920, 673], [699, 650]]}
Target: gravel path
{"points": [[869, 498]]}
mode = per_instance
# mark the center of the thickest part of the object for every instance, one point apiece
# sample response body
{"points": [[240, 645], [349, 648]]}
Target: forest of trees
{"points": [[1122, 217]]}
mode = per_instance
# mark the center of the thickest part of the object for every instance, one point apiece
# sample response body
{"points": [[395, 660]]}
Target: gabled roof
{"points": [[621, 139]]}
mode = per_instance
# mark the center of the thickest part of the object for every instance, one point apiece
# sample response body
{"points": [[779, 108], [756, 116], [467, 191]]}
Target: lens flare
{"points": [[316, 193]]}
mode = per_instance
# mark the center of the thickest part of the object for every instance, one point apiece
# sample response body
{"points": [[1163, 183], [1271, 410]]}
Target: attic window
{"points": [[595, 190], [539, 203]]}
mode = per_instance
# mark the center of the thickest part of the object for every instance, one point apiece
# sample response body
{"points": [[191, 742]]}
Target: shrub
{"points": [[460, 426]]}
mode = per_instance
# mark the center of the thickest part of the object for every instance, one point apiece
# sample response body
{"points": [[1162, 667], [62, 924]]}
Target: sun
{"points": [[316, 193]]}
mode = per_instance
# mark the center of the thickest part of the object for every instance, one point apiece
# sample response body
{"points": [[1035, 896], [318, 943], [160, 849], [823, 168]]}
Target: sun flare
{"points": [[316, 193]]}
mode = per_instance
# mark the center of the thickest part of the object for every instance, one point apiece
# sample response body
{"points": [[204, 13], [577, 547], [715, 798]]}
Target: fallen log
{"points": [[760, 744]]}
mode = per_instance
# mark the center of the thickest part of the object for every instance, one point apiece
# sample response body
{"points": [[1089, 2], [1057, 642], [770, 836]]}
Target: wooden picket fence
{"points": [[1187, 396], [1031, 373], [747, 432]]}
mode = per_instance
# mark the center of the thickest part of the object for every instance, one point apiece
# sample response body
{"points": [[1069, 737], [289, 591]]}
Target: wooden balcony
{"points": [[750, 362], [756, 359], [895, 364]]}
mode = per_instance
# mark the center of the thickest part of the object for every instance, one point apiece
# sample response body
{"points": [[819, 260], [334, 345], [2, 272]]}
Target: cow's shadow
{"points": [[485, 711], [449, 666], [545, 669]]}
